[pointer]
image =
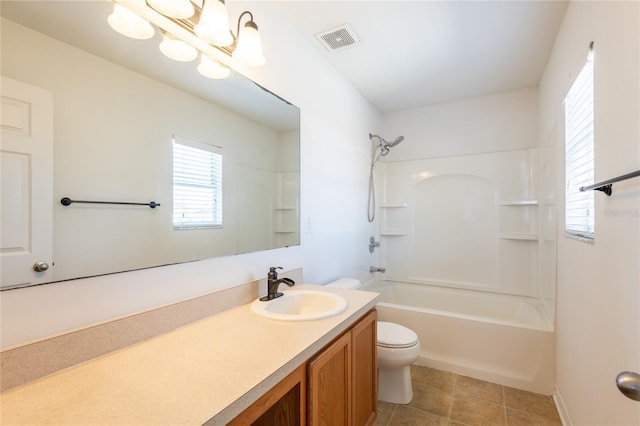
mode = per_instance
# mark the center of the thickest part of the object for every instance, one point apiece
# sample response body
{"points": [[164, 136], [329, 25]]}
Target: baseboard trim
{"points": [[562, 408]]}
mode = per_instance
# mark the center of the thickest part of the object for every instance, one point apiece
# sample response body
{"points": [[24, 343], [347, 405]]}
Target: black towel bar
{"points": [[606, 185], [66, 201]]}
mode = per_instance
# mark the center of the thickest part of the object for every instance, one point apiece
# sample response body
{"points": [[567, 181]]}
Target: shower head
{"points": [[394, 143], [384, 144]]}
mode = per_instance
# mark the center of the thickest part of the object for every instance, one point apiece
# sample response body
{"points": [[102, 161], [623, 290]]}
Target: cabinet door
{"points": [[365, 370], [330, 385], [283, 405]]}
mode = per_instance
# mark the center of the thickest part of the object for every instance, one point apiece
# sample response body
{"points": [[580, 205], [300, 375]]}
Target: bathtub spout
{"points": [[373, 269]]}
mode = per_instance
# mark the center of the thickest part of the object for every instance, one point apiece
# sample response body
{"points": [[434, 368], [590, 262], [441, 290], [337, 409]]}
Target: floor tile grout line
{"points": [[393, 413], [504, 406], [453, 397], [531, 413]]}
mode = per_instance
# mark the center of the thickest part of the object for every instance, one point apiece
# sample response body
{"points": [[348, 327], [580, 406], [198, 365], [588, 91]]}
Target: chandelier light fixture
{"points": [[211, 68], [176, 49], [130, 24], [213, 25], [191, 28], [179, 9]]}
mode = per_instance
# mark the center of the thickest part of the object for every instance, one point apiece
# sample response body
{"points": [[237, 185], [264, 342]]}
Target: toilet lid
{"points": [[393, 335], [350, 283]]}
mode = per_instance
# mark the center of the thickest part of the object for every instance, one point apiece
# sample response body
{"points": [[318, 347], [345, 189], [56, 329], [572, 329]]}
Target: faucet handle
{"points": [[273, 274]]}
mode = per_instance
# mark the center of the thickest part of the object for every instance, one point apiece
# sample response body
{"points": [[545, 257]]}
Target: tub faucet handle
{"points": [[373, 244], [373, 269]]}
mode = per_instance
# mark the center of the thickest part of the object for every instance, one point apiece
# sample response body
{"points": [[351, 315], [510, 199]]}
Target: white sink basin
{"points": [[301, 305]]}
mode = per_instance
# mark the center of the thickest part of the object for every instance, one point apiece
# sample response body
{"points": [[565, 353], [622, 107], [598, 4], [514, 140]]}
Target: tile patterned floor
{"points": [[443, 398]]}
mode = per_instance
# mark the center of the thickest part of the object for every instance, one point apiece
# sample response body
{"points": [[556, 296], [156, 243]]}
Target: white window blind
{"points": [[197, 184], [579, 154]]}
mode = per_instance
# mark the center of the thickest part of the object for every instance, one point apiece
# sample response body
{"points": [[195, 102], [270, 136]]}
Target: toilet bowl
{"points": [[398, 348]]}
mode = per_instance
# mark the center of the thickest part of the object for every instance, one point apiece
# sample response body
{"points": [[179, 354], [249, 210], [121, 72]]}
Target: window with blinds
{"points": [[197, 185], [579, 155]]}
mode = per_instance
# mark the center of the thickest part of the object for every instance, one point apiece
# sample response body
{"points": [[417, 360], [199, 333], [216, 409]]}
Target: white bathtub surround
{"points": [[480, 211], [468, 198], [467, 229], [499, 338]]}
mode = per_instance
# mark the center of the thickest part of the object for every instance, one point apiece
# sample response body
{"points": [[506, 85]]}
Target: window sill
{"points": [[582, 238]]}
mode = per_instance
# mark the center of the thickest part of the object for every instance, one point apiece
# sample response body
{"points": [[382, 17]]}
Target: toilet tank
{"points": [[350, 283]]}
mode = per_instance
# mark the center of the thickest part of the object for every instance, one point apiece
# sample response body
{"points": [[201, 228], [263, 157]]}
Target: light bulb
{"points": [[129, 23], [249, 47], [214, 23], [212, 69], [178, 50], [180, 9]]}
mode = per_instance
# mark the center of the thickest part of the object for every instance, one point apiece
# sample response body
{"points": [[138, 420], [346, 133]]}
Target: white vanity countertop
{"points": [[205, 372]]}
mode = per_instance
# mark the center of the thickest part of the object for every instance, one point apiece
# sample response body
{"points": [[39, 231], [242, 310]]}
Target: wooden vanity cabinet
{"points": [[284, 404], [330, 396], [337, 386], [342, 379], [364, 343]]}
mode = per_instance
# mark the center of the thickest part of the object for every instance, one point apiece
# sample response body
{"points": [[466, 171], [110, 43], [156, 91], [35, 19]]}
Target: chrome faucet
{"points": [[273, 282], [373, 269]]}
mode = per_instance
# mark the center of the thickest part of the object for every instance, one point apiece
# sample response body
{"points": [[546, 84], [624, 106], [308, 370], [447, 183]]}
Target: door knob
{"points": [[40, 266], [629, 384]]}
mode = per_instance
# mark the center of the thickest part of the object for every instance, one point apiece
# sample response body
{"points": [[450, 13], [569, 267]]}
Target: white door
{"points": [[26, 193]]}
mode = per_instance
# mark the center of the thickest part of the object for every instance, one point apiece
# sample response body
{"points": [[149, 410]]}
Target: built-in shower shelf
{"points": [[519, 203], [392, 234], [393, 205], [526, 237]]}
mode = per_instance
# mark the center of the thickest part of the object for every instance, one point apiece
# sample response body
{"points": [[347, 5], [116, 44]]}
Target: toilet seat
{"points": [[391, 335]]}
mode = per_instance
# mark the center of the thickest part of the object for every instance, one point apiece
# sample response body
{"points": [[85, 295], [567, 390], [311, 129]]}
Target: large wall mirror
{"points": [[118, 106]]}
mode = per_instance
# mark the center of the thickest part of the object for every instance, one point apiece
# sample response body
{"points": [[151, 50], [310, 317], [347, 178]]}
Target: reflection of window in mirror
{"points": [[197, 184]]}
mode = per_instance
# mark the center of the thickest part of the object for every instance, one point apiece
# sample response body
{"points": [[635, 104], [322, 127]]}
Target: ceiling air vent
{"points": [[337, 38]]}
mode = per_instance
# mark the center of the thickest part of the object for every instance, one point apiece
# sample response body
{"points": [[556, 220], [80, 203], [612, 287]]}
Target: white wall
{"points": [[498, 122], [598, 313], [335, 121]]}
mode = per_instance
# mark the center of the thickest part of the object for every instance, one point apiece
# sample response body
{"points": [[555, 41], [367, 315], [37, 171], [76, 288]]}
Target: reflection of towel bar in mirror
{"points": [[66, 201]]}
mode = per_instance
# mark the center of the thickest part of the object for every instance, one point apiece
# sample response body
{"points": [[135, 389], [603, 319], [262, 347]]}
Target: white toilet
{"points": [[398, 348]]}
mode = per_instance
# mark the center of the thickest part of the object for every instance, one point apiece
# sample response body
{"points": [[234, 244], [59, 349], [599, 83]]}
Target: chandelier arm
{"points": [[235, 38]]}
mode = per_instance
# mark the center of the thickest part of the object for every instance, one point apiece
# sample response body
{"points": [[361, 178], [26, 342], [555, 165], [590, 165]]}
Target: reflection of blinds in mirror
{"points": [[579, 206], [197, 184]]}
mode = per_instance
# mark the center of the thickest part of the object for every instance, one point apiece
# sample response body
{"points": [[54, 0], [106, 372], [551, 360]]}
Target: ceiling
{"points": [[416, 53]]}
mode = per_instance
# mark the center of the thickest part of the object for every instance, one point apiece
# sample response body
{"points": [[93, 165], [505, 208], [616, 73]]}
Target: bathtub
{"points": [[498, 338]]}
